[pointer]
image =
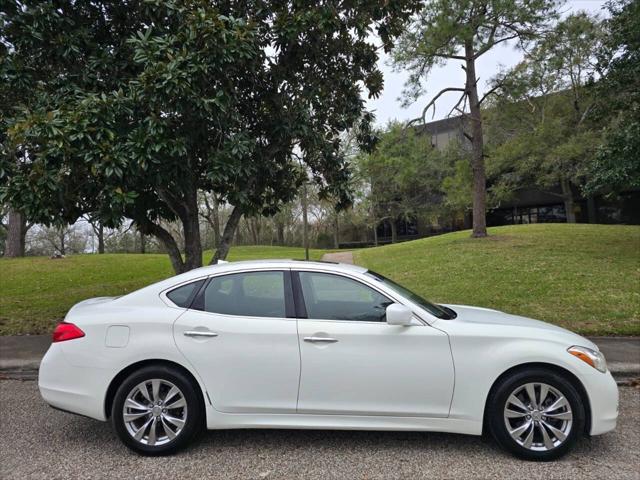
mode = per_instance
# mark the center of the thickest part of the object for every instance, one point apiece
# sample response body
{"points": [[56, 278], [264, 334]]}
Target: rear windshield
{"points": [[437, 311]]}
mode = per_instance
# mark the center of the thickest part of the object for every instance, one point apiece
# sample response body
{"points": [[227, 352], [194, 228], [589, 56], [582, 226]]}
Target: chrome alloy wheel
{"points": [[154, 412], [538, 417]]}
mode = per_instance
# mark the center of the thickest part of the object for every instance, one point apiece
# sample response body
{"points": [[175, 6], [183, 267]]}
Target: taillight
{"points": [[66, 331]]}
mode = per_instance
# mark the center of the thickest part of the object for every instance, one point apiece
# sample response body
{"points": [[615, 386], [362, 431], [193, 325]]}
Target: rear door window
{"points": [[249, 294]]}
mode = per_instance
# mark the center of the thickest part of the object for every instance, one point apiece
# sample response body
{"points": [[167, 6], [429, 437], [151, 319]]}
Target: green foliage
{"points": [[616, 166], [444, 28], [405, 174], [139, 105], [457, 185], [581, 277], [541, 129]]}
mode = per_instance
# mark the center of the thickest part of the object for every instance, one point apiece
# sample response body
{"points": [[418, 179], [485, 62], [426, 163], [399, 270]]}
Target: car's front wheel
{"points": [[156, 410], [536, 414]]}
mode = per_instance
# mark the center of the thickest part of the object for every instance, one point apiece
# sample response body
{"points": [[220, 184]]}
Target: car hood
{"points": [[496, 318]]}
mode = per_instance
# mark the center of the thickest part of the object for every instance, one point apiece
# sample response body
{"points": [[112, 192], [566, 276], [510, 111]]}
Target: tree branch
{"points": [[455, 107], [432, 104], [452, 57], [489, 45], [149, 228], [227, 236], [490, 92]]}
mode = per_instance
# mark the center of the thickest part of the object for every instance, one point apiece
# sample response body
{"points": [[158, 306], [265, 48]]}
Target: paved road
{"points": [[38, 442]]}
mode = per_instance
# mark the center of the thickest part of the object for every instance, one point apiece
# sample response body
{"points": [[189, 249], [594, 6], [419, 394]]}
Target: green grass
{"points": [[36, 292], [583, 277]]}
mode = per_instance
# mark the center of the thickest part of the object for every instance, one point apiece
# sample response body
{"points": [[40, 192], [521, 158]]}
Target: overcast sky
{"points": [[388, 106]]}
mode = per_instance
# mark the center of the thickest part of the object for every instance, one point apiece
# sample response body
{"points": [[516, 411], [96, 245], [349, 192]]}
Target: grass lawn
{"points": [[583, 277], [36, 292]]}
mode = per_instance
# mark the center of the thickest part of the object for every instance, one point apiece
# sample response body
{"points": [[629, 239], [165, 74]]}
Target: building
{"points": [[528, 205]]}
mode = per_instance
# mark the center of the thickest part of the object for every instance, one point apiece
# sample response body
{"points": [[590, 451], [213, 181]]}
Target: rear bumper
{"points": [[71, 388], [603, 398]]}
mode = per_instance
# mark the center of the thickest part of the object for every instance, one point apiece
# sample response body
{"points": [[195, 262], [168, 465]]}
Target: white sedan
{"points": [[289, 344]]}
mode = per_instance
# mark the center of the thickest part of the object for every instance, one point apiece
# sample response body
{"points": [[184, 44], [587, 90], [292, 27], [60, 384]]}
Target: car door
{"points": [[240, 335], [354, 363]]}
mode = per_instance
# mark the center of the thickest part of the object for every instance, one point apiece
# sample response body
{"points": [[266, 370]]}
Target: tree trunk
{"points": [[336, 231], [394, 230], [168, 242], [375, 235], [215, 221], [477, 147], [191, 228], [279, 232], [253, 229], [592, 210], [567, 193], [227, 236], [16, 232], [305, 222], [100, 235], [63, 248], [143, 243]]}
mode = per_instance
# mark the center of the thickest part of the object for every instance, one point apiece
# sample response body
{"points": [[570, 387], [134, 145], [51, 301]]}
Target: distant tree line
{"points": [[185, 125], [566, 116]]}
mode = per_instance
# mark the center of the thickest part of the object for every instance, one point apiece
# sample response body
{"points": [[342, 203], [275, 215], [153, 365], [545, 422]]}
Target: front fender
{"points": [[479, 362]]}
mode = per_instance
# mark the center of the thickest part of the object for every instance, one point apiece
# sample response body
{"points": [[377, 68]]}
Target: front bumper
{"points": [[71, 388], [603, 399]]}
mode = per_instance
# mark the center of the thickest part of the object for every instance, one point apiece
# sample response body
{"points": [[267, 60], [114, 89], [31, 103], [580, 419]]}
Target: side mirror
{"points": [[399, 314]]}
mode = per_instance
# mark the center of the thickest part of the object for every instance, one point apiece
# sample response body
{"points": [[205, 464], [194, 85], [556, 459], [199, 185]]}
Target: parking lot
{"points": [[39, 442]]}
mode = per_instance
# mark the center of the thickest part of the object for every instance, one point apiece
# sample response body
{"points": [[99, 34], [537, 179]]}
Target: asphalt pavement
{"points": [[39, 442]]}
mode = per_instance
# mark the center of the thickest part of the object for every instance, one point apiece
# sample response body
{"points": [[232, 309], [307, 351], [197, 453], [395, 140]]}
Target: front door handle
{"points": [[320, 339], [199, 333]]}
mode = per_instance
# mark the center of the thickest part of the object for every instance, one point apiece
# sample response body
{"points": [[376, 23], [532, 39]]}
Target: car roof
{"points": [[278, 263], [142, 296]]}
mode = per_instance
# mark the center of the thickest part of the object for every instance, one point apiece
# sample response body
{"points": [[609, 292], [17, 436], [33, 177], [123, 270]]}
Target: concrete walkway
{"points": [[340, 257], [20, 356]]}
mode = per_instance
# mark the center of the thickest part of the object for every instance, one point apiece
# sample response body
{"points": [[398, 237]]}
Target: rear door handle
{"points": [[320, 340], [199, 333]]}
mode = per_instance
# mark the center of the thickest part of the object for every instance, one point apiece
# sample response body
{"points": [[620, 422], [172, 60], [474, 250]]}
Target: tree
{"points": [[405, 175], [166, 100], [616, 165], [464, 30], [542, 128], [16, 231], [58, 240]]}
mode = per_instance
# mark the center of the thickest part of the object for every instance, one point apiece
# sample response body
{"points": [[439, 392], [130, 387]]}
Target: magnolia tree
{"points": [[137, 108]]}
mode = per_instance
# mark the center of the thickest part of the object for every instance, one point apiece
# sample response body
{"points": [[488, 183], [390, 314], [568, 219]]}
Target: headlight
{"points": [[592, 357]]}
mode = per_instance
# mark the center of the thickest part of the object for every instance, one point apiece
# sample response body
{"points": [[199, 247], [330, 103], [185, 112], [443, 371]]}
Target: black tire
{"points": [[497, 402], [194, 408]]}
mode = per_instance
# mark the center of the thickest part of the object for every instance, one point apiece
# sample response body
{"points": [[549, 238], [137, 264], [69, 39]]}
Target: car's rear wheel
{"points": [[536, 414], [157, 411]]}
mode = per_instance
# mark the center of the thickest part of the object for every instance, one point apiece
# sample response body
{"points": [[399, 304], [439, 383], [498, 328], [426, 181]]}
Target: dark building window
{"points": [[404, 228], [520, 215]]}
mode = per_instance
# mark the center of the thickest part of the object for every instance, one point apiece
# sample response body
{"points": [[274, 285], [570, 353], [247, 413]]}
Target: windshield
{"points": [[437, 311]]}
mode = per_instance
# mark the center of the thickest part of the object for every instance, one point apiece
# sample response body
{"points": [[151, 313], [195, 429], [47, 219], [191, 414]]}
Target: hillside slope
{"points": [[582, 277], [36, 292]]}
